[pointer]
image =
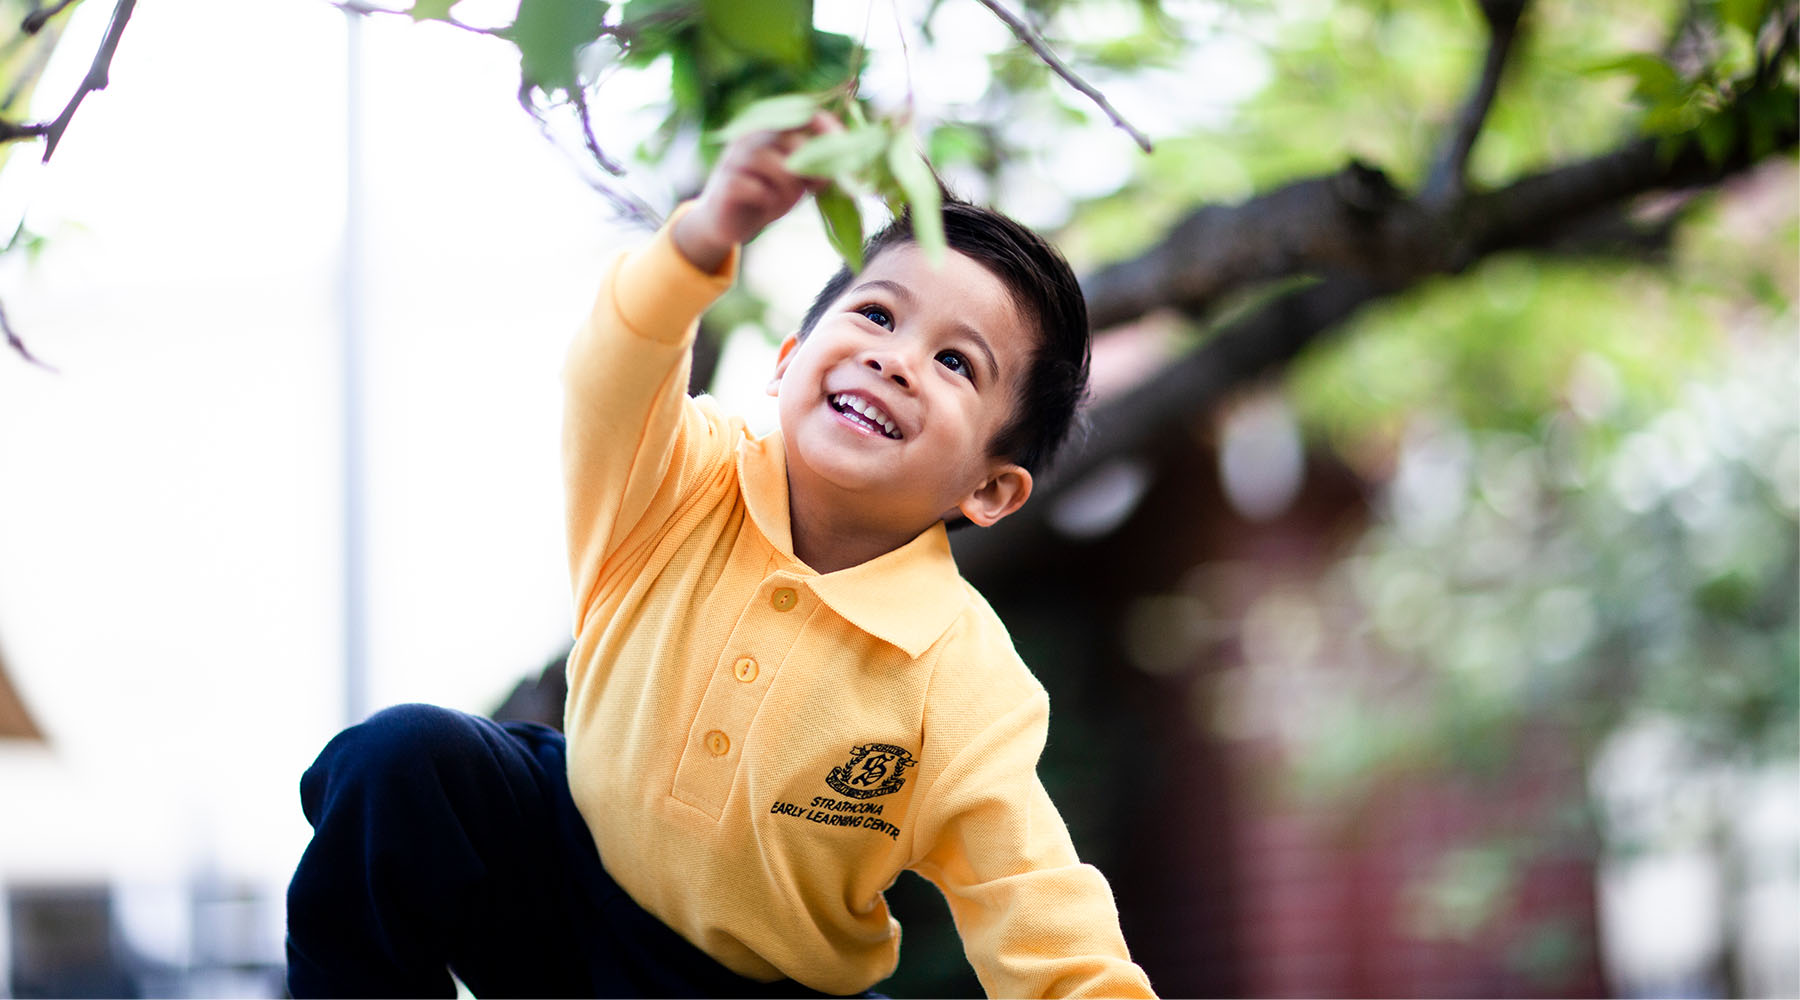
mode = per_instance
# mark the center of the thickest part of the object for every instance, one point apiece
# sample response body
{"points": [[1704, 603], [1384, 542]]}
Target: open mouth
{"points": [[867, 414]]}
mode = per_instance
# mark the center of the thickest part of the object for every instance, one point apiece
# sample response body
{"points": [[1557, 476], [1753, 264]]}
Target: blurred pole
{"points": [[356, 679]]}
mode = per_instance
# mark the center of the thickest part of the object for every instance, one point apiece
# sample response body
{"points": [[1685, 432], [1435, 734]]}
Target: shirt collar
{"points": [[908, 597]]}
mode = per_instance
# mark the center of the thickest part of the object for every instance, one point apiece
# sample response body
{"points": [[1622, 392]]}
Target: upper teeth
{"points": [[870, 411]]}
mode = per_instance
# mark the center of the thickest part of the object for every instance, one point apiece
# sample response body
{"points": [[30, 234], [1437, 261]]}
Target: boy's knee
{"points": [[411, 726], [395, 745]]}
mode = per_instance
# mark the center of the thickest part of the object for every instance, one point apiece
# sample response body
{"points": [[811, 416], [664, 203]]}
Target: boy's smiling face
{"points": [[889, 406]]}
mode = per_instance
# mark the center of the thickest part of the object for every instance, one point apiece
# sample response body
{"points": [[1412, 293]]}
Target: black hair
{"points": [[1043, 289]]}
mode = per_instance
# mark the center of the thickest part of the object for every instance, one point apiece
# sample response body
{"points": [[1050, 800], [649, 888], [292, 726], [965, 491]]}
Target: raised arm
{"points": [[627, 427]]}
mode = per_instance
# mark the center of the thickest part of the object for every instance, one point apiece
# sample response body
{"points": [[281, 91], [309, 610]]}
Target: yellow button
{"points": [[745, 669], [783, 598], [717, 743]]}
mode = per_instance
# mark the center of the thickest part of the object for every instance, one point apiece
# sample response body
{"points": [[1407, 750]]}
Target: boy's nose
{"points": [[893, 368]]}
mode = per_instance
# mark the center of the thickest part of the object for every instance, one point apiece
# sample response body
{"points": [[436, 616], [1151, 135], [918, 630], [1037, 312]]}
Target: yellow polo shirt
{"points": [[760, 749]]}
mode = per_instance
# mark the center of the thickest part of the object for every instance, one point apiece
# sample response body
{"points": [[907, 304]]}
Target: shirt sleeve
{"points": [[626, 415], [1034, 920]]}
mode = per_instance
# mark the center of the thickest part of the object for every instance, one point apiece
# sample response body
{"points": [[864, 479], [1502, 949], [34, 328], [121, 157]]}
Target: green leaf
{"points": [[1655, 80], [1737, 52], [779, 30], [1744, 15], [954, 143], [923, 194], [1717, 135], [771, 114], [432, 10], [656, 28], [1674, 118], [635, 12], [834, 154], [549, 33], [686, 89], [843, 224]]}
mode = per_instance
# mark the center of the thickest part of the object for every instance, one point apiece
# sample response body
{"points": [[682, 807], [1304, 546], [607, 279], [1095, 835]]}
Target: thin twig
{"points": [[905, 55], [862, 46], [1025, 34], [96, 78], [1449, 175], [579, 98], [626, 204], [363, 7], [12, 339], [34, 22], [28, 130]]}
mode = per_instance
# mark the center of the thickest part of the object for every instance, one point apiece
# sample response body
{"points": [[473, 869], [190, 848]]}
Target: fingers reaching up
{"points": [[750, 188]]}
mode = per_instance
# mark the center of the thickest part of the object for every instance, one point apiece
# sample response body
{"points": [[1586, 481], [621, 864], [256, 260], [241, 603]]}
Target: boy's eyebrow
{"points": [[905, 296]]}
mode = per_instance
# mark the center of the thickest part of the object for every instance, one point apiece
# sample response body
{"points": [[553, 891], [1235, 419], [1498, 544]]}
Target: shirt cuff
{"points": [[659, 292]]}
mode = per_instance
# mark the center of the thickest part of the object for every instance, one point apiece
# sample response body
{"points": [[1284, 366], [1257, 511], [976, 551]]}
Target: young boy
{"points": [[781, 694]]}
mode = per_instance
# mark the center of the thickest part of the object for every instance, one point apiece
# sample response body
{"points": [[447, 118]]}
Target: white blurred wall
{"points": [[170, 533]]}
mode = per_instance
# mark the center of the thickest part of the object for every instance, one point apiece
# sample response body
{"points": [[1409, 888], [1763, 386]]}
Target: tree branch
{"points": [[1132, 424], [628, 205], [34, 22], [1616, 233], [1449, 174], [1535, 209], [1353, 220], [96, 78], [1025, 34], [28, 130], [13, 341], [607, 163], [1382, 244], [365, 8]]}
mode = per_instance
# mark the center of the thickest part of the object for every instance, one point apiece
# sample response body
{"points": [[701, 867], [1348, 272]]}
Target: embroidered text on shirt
{"points": [[873, 769]]}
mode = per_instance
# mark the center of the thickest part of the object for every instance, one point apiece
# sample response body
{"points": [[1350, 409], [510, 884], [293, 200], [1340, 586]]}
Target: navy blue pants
{"points": [[445, 842]]}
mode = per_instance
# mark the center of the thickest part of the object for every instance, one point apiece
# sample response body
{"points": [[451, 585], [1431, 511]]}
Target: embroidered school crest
{"points": [[873, 769]]}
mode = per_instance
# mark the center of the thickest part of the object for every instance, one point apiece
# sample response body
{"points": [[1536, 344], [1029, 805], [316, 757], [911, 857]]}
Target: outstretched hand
{"points": [[749, 189]]}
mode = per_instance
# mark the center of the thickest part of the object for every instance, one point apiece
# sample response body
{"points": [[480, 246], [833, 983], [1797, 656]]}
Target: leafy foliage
{"points": [[549, 34], [1690, 96], [732, 68]]}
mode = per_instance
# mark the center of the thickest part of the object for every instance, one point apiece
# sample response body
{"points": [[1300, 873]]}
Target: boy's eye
{"points": [[955, 361], [877, 315]]}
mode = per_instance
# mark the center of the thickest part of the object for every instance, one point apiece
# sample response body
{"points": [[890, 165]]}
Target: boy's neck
{"points": [[827, 540]]}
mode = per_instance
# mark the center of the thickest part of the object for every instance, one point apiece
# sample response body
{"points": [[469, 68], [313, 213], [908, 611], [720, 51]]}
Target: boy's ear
{"points": [[1006, 489], [789, 344]]}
